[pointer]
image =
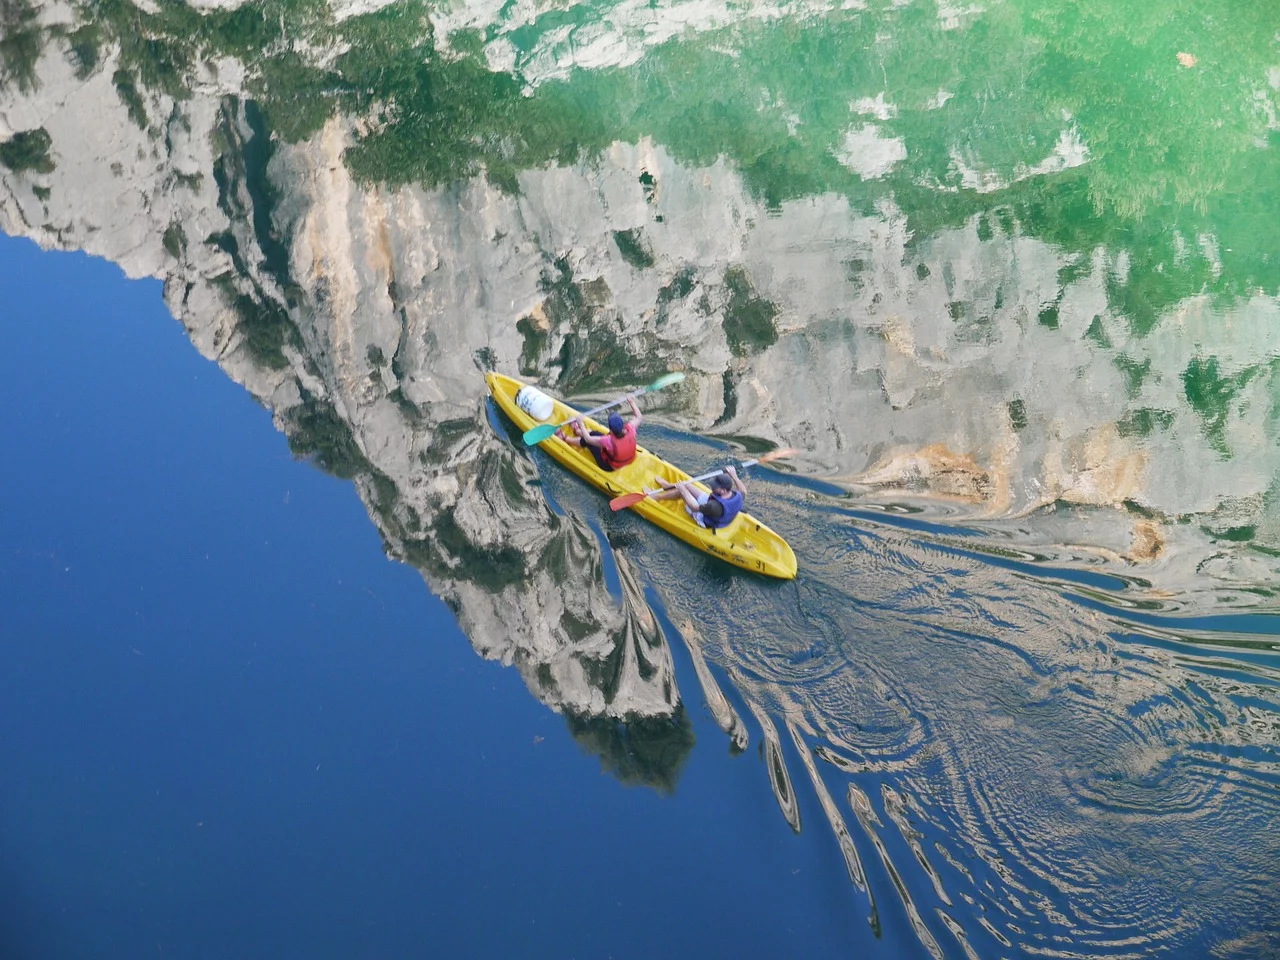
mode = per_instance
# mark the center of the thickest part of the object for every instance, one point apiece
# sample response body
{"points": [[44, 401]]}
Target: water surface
{"points": [[231, 727], [1006, 276]]}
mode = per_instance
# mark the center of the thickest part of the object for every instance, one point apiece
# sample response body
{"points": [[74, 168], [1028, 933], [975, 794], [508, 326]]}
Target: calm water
{"points": [[1007, 277], [232, 728]]}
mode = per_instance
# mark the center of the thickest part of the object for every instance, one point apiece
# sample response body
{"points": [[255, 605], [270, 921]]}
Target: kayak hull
{"points": [[746, 542]]}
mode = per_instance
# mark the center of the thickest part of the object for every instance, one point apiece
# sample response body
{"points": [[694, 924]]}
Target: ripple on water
{"points": [[779, 777], [721, 710], [852, 862], [1055, 787], [866, 817]]}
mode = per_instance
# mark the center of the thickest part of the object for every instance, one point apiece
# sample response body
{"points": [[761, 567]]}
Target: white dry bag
{"points": [[535, 403]]}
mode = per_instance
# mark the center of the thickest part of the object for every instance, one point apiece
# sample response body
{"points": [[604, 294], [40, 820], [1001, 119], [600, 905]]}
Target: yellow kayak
{"points": [[746, 541]]}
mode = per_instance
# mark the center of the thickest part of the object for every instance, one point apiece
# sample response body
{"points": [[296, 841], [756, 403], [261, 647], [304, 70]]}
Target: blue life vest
{"points": [[731, 507]]}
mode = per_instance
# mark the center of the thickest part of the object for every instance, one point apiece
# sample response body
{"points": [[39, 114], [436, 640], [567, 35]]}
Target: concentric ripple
{"points": [[1027, 773]]}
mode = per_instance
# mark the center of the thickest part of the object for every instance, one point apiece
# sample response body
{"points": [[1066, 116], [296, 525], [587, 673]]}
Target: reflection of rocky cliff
{"points": [[977, 363], [298, 325]]}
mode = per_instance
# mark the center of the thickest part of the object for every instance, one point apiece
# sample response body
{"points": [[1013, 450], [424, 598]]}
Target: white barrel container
{"points": [[535, 403]]}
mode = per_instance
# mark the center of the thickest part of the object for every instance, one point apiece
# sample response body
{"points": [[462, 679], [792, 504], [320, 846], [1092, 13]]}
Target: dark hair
{"points": [[712, 509], [721, 481]]}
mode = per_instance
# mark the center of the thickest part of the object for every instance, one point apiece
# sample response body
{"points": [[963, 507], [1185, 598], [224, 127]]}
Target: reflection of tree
{"points": [[1161, 133], [21, 43], [645, 751], [1164, 141], [26, 151]]}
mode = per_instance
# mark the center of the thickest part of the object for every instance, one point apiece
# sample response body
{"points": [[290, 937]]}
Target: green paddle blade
{"points": [[666, 380], [535, 435]]}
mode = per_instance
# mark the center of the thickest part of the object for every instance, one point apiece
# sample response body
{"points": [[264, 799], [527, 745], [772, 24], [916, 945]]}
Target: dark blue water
{"points": [[229, 727]]}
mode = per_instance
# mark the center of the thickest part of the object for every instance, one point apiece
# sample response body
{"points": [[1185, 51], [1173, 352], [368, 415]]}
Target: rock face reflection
{"points": [[938, 343], [317, 330], [813, 322]]}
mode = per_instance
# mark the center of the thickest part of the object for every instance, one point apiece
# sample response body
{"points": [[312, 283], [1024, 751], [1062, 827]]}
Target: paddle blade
{"points": [[542, 431], [666, 380], [777, 455], [626, 500]]}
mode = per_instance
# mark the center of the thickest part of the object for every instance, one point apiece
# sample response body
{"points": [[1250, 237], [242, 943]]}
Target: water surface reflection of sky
{"points": [[229, 727], [1007, 277]]}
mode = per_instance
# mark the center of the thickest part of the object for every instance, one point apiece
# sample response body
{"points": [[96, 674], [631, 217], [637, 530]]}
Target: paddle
{"points": [[631, 499], [544, 430]]}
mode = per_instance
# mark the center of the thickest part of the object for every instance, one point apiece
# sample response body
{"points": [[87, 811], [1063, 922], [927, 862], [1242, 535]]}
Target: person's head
{"points": [[616, 426], [721, 484]]}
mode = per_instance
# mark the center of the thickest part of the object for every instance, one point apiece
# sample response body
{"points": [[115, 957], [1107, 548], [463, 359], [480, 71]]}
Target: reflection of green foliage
{"points": [[21, 43], [266, 329], [1017, 414], [296, 100], [175, 240], [1148, 292], [1211, 395], [634, 249], [590, 354], [1011, 83], [491, 569], [564, 303], [28, 150], [157, 52], [564, 563], [451, 119], [1159, 132], [1098, 334], [681, 286], [316, 430], [535, 341], [1174, 154], [748, 319], [83, 46], [593, 359], [512, 485], [439, 119], [1233, 534], [1134, 373], [408, 409], [1143, 421], [130, 97], [644, 751]]}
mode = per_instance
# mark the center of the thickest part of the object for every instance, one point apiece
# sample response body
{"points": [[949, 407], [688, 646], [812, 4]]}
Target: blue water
{"points": [[229, 727]]}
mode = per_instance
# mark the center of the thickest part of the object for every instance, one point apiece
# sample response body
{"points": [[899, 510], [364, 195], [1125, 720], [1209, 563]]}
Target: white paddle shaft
{"points": [[708, 476], [612, 403]]}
